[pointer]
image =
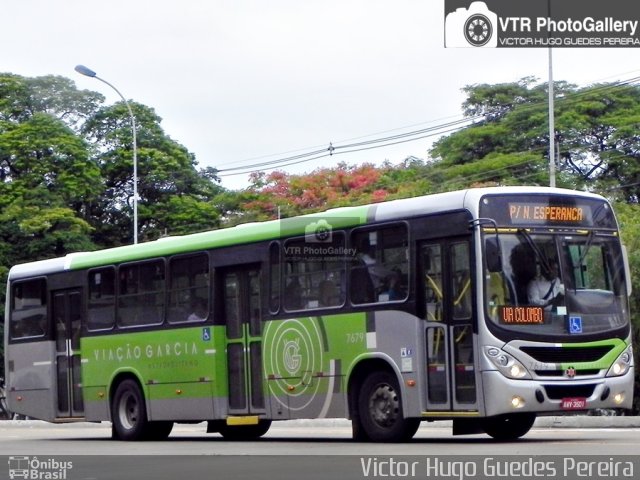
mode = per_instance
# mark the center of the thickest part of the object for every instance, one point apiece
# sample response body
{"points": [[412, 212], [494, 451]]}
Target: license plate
{"points": [[574, 403]]}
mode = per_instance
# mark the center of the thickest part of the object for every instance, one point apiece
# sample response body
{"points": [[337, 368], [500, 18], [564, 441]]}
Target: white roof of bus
{"points": [[462, 199], [42, 267], [385, 211]]}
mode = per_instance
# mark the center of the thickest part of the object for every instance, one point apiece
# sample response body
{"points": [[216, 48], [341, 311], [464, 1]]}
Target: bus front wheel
{"points": [[509, 426], [380, 413], [128, 412]]}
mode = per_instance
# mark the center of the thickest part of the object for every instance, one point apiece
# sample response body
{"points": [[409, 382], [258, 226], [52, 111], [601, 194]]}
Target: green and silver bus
{"points": [[387, 314]]}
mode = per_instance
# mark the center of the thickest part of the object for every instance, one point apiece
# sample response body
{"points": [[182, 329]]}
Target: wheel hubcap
{"points": [[384, 407], [128, 411]]}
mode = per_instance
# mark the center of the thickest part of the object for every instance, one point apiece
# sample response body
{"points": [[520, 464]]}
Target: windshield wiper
{"points": [[539, 253], [590, 236]]}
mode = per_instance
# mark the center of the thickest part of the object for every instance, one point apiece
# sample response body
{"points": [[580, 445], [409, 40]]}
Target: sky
{"points": [[244, 81]]}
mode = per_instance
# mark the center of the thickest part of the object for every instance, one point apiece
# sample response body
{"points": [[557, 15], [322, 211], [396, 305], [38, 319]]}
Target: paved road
{"points": [[325, 437], [320, 450]]}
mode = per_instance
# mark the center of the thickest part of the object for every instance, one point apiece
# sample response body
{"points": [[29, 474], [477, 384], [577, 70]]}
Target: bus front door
{"points": [[242, 303], [66, 307], [451, 376]]}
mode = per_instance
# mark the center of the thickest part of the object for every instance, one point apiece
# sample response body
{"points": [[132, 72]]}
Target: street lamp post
{"points": [[81, 69]]}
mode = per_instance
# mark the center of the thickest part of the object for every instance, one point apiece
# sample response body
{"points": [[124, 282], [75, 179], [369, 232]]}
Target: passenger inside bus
{"points": [[327, 296], [546, 289], [369, 278], [393, 289], [293, 294], [366, 257], [198, 310]]}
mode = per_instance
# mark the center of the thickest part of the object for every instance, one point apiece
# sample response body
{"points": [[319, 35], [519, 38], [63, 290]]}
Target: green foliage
{"points": [[596, 135], [166, 170], [43, 232]]}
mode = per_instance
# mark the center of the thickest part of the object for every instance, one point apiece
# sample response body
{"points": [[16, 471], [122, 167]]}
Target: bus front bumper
{"points": [[504, 395]]}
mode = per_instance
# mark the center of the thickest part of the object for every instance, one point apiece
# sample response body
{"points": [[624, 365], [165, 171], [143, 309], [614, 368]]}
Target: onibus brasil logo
{"points": [[38, 469]]}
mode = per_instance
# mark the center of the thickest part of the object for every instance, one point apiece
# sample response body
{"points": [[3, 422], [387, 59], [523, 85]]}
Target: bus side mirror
{"points": [[492, 255]]}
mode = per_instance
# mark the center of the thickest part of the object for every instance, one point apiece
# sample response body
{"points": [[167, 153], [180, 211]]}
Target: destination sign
{"points": [[553, 211], [527, 213], [521, 315]]}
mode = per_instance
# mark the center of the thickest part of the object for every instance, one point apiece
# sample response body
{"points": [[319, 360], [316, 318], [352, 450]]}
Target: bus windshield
{"points": [[558, 285]]}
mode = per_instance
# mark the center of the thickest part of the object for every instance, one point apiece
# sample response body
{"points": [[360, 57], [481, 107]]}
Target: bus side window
{"points": [[188, 289], [432, 262], [315, 273], [29, 309], [102, 298], [461, 281], [141, 294], [380, 266]]}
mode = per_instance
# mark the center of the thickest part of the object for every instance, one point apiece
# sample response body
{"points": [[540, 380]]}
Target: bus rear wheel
{"points": [[380, 414], [510, 426], [129, 413]]}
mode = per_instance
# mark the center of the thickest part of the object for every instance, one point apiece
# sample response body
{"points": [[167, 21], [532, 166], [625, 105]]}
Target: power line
{"points": [[336, 150], [439, 129], [354, 147]]}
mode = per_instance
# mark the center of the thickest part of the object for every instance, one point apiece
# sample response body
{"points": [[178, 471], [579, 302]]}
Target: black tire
{"points": [[4, 407], [510, 426], [244, 432], [380, 414], [129, 412]]}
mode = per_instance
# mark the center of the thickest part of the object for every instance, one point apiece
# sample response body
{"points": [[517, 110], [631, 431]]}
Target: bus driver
{"points": [[546, 289]]}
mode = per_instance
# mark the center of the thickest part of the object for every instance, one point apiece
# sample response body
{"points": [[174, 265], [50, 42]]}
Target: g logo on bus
{"points": [[296, 353], [570, 372], [292, 358]]}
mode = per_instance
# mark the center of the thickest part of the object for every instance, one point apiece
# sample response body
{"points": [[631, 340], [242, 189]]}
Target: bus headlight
{"points": [[506, 364], [622, 364]]}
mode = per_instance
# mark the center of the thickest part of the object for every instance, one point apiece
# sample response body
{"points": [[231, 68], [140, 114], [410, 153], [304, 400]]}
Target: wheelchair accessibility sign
{"points": [[206, 334], [575, 325]]}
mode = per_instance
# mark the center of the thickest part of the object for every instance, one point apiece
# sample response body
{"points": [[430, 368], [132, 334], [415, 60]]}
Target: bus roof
{"points": [[269, 230]]}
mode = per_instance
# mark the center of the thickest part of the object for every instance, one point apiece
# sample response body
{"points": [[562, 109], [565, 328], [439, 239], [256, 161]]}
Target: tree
{"points": [[280, 194], [47, 183], [47, 180], [596, 135], [23, 97], [169, 186]]}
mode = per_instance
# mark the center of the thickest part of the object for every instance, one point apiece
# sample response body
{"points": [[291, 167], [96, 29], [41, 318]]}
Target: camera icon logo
{"points": [[473, 26], [318, 232]]}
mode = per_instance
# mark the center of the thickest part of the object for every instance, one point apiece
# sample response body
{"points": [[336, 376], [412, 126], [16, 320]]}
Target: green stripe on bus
{"points": [[618, 346], [239, 235]]}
